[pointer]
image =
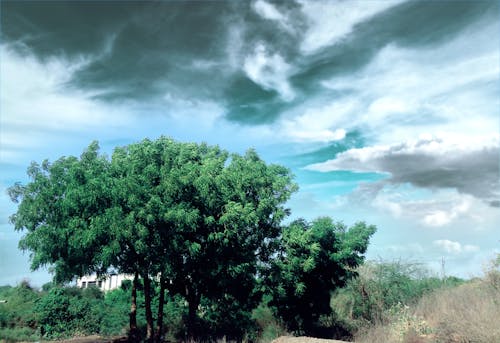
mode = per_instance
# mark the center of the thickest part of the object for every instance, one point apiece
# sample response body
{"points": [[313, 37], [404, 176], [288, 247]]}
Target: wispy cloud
{"points": [[270, 71], [332, 21], [269, 11], [455, 247]]}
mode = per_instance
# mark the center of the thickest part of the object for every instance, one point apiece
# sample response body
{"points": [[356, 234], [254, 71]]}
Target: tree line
{"points": [[206, 225]]}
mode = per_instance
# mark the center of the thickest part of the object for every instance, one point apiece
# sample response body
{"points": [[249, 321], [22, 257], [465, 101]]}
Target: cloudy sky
{"points": [[386, 111]]}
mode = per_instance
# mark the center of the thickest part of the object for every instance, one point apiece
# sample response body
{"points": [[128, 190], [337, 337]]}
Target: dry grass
{"points": [[464, 314], [468, 313]]}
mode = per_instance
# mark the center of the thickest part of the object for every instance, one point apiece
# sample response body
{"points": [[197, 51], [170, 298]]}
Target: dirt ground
{"points": [[92, 339], [282, 339], [290, 339]]}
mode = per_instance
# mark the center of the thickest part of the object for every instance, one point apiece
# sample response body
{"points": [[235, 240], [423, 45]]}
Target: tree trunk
{"points": [[149, 313], [193, 301], [133, 309], [159, 326]]}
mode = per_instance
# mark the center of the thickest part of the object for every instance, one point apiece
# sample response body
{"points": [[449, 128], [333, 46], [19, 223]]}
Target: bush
{"points": [[18, 334], [17, 318], [463, 313], [268, 327], [115, 316], [371, 297], [65, 312]]}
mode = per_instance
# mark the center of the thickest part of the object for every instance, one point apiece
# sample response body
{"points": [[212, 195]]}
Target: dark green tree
{"points": [[313, 260], [231, 208]]}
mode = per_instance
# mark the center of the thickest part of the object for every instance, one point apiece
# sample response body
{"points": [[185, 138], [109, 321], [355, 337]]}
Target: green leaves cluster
{"points": [[202, 224]]}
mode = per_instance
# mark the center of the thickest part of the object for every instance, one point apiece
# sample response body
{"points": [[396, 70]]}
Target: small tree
{"points": [[314, 259]]}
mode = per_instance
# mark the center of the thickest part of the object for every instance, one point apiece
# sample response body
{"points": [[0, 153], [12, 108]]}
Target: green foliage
{"points": [[314, 259], [17, 312], [379, 288], [206, 221], [116, 307], [64, 312], [17, 334], [57, 209], [268, 327], [175, 311]]}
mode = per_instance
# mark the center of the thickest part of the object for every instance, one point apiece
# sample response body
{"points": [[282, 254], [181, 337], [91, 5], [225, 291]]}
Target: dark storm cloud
{"points": [[415, 24], [145, 50], [431, 164]]}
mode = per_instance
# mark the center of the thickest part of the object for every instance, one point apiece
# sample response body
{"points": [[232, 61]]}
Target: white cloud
{"points": [[441, 209], [268, 11], [374, 158], [455, 247], [186, 111], [331, 21], [406, 248], [318, 124], [270, 71], [37, 104], [405, 92], [39, 110], [389, 105], [234, 45], [441, 217]]}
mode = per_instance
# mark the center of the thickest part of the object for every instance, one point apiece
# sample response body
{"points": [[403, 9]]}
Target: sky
{"points": [[387, 112]]}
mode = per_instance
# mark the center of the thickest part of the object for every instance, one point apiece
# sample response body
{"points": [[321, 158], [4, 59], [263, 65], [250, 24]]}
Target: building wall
{"points": [[105, 283]]}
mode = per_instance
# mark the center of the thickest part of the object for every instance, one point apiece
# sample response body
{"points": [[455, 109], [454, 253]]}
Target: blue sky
{"points": [[386, 111]]}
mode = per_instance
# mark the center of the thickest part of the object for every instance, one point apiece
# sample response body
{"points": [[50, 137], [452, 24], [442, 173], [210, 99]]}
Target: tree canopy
{"points": [[203, 224], [313, 260], [196, 215]]}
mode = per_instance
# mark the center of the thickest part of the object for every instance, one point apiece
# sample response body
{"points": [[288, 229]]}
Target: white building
{"points": [[105, 283]]}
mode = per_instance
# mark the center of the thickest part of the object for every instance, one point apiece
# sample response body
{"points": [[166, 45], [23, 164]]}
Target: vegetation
{"points": [[313, 260], [380, 290], [463, 312], [412, 306], [201, 230], [198, 227]]}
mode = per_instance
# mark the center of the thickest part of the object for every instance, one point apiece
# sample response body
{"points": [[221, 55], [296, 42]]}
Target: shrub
{"points": [[369, 298], [65, 312], [268, 327], [115, 316], [18, 312], [463, 313]]}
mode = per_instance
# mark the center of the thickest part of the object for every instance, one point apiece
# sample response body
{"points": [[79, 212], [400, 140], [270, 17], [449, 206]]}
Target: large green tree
{"points": [[195, 215], [313, 260], [231, 208]]}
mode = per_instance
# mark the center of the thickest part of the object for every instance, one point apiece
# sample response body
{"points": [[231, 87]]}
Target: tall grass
{"points": [[467, 313]]}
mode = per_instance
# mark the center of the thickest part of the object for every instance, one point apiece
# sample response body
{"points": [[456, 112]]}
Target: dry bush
{"points": [[376, 334], [468, 313], [402, 325], [464, 314]]}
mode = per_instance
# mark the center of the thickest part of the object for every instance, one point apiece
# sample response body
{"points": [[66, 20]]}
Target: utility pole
{"points": [[443, 274]]}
